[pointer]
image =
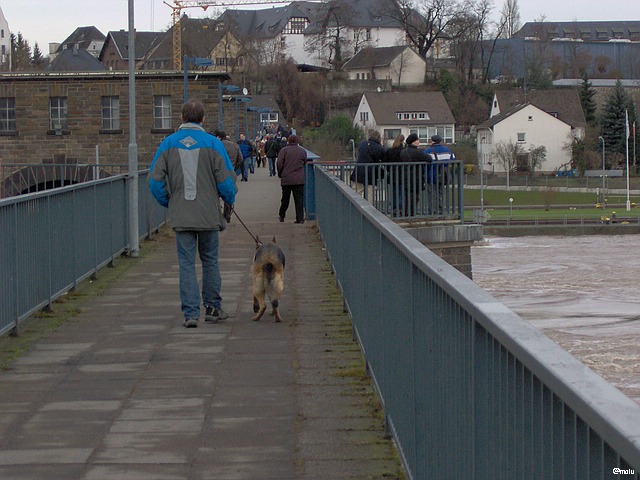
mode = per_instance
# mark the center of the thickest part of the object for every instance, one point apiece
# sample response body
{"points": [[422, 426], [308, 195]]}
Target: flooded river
{"points": [[582, 291]]}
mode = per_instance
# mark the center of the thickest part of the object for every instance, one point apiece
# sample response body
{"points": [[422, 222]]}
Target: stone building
{"points": [[46, 117]]}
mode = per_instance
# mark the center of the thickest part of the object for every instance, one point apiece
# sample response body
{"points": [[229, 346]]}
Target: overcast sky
{"points": [[45, 21]]}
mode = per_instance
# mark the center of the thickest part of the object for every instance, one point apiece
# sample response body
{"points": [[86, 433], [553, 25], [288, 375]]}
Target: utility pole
{"points": [[132, 177]]}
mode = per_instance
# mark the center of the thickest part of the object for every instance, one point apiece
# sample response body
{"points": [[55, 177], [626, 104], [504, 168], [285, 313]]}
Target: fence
{"points": [[51, 240], [470, 390], [403, 190]]}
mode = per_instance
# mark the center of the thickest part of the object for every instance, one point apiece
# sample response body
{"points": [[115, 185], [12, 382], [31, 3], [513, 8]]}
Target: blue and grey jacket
{"points": [[190, 172], [442, 156]]}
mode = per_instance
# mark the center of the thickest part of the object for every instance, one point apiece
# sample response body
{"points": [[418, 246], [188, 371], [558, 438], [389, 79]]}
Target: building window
{"points": [[390, 134], [270, 117], [58, 114], [7, 114], [368, 35], [110, 113], [364, 117], [530, 118], [521, 137], [296, 25], [162, 112]]}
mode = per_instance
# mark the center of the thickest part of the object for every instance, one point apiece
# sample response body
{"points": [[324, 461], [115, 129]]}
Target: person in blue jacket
{"points": [[247, 157], [437, 174], [190, 172]]}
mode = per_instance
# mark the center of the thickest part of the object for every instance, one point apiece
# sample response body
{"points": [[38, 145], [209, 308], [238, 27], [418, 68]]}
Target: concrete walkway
{"points": [[124, 392]]}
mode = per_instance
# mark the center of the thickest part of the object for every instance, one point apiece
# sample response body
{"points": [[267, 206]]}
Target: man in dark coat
{"points": [[365, 174], [414, 176], [291, 163]]}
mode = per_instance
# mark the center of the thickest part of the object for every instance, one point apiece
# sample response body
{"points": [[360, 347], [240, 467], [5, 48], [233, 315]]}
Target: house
{"points": [[75, 60], [5, 44], [115, 51], [563, 104], [307, 31], [394, 113], [401, 64], [87, 38], [528, 127]]}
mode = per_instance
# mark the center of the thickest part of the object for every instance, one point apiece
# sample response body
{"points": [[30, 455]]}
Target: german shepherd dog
{"points": [[268, 278]]}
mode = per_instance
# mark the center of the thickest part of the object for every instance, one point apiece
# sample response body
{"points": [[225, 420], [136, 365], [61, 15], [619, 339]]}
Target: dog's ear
{"points": [[273, 239]]}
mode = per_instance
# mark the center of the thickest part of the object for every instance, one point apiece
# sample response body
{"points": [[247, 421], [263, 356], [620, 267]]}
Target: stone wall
{"points": [[34, 142]]}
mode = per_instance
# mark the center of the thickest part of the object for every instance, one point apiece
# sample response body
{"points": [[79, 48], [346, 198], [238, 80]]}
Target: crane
{"points": [[179, 5]]}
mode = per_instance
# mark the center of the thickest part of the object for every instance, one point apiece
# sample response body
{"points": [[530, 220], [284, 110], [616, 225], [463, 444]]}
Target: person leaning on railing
{"points": [[414, 177], [366, 177], [437, 176]]}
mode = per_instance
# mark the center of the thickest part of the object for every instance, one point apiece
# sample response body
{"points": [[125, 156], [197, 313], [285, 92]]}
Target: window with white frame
{"points": [[296, 25], [111, 113], [58, 113], [7, 114], [269, 117], [364, 117], [162, 112], [521, 137]]}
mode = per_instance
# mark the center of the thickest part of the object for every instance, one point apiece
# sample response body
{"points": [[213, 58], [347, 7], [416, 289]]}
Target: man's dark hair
{"points": [[221, 134], [193, 111]]}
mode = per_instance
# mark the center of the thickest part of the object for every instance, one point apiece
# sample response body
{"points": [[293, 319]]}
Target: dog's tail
{"points": [[268, 268]]}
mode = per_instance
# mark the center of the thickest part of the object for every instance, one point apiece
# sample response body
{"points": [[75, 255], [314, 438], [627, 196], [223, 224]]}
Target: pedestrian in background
{"points": [[233, 150], [247, 156], [272, 148], [290, 164], [190, 172], [414, 175], [437, 174], [366, 174], [395, 175]]}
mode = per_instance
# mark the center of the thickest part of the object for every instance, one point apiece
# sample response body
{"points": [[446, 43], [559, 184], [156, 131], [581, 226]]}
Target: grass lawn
{"points": [[561, 205]]}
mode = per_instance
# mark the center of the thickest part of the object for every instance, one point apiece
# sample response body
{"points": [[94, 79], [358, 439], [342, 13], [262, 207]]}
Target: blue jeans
{"points": [[206, 243], [246, 166], [272, 166]]}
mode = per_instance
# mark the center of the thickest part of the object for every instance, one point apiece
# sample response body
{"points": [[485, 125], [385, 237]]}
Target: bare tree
{"points": [[506, 155], [510, 16], [335, 19], [424, 22]]}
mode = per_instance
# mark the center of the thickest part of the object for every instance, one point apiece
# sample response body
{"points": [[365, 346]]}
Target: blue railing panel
{"points": [[470, 390], [52, 239]]}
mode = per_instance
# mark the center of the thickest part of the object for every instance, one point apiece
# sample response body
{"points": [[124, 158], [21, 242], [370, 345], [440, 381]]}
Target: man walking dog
{"points": [[190, 172]]}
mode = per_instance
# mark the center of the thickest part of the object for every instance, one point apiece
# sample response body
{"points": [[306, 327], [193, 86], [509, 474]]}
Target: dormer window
{"points": [[296, 25]]}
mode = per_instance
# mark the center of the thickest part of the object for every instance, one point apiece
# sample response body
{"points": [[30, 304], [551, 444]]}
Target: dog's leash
{"points": [[258, 242]]}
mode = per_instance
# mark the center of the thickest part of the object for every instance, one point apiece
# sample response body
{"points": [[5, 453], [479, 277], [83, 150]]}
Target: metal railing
{"points": [[407, 190], [470, 390], [51, 240]]}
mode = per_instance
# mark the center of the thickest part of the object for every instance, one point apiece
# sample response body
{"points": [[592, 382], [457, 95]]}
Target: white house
{"points": [[394, 113], [529, 127], [5, 43], [561, 103], [401, 64]]}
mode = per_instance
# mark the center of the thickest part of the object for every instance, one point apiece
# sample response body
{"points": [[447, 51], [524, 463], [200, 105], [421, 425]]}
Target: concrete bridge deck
{"points": [[124, 391]]}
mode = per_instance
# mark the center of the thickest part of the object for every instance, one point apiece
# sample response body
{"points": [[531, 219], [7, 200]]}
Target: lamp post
{"points": [[510, 208], [602, 140], [226, 88]]}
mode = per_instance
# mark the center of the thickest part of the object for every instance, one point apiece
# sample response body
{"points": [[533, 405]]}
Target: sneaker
{"points": [[214, 315], [190, 323], [281, 219]]}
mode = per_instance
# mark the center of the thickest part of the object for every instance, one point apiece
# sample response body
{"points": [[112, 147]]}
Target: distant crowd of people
{"points": [[407, 182]]}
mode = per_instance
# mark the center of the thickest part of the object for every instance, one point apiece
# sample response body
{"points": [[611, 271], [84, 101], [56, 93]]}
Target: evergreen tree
{"points": [[37, 60], [612, 123], [20, 53], [586, 100]]}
